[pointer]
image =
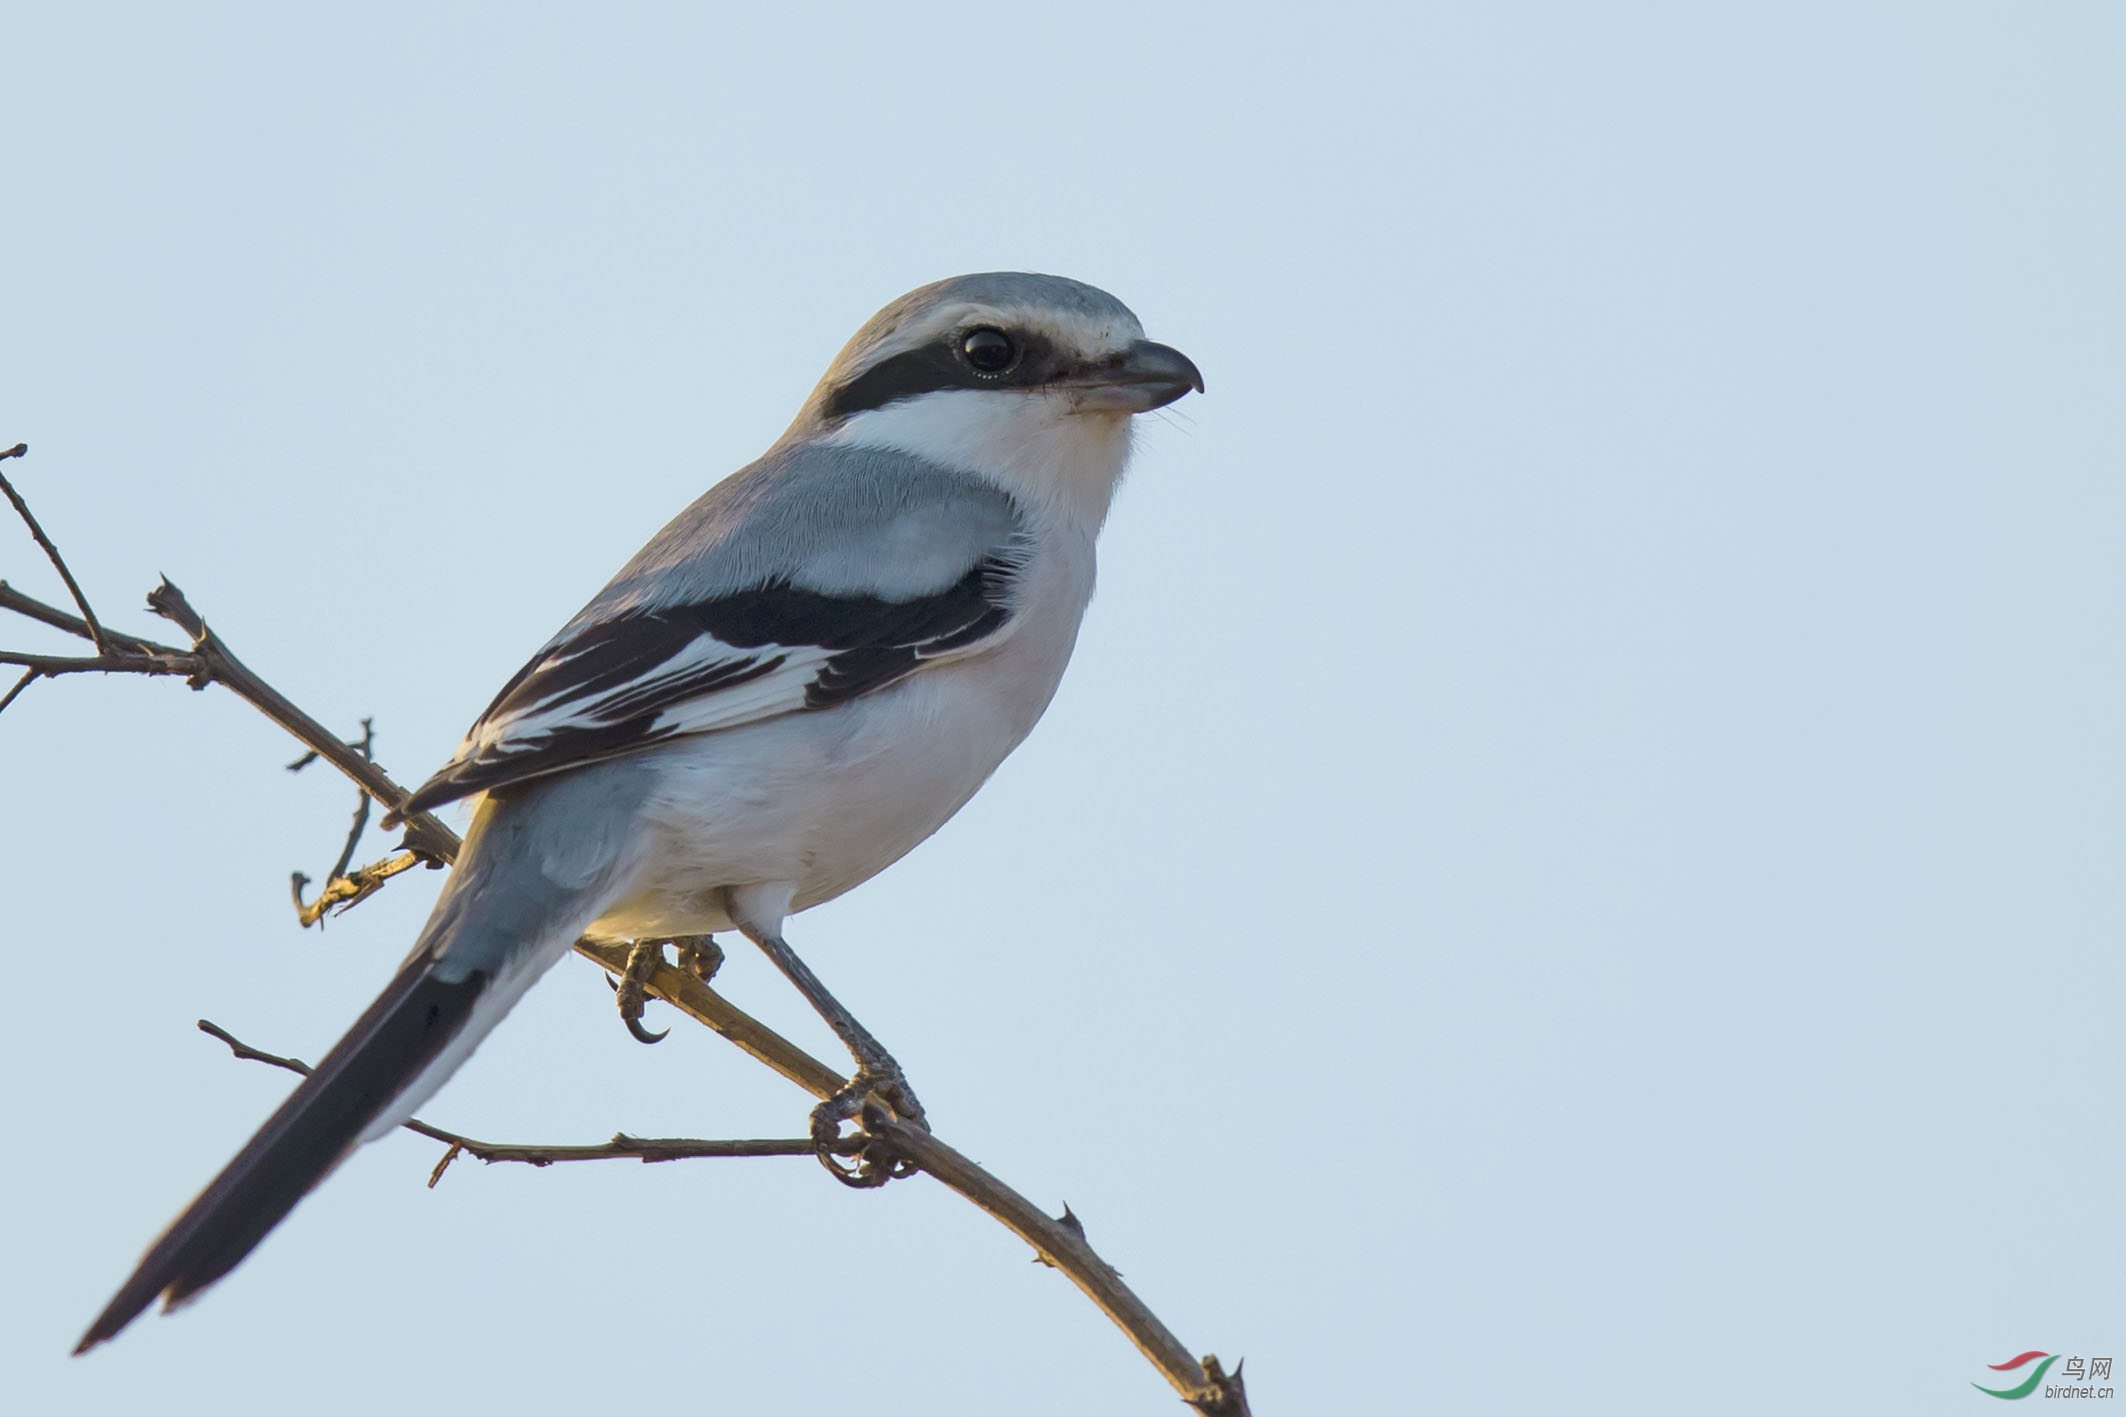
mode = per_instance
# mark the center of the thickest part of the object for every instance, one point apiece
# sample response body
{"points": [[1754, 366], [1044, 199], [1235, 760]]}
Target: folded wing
{"points": [[629, 673]]}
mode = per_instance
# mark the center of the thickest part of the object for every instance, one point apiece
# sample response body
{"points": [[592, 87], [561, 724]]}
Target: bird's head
{"points": [[1028, 379]]}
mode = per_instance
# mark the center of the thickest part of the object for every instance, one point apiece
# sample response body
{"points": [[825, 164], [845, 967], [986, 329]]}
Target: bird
{"points": [[805, 674]]}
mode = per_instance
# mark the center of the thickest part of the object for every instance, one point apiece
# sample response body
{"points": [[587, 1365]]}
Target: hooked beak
{"points": [[1139, 379]]}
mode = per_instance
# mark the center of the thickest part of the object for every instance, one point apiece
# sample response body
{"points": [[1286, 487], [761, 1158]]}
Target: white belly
{"points": [[819, 802]]}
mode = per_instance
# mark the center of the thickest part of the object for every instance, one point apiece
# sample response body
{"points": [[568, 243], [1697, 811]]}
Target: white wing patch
{"points": [[691, 706]]}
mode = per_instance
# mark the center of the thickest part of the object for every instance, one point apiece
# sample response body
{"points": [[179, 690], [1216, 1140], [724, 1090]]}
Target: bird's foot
{"points": [[631, 990], [699, 955], [879, 1093]]}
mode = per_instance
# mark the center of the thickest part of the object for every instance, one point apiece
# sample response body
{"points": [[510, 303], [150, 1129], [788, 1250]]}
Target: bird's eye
{"points": [[990, 351]]}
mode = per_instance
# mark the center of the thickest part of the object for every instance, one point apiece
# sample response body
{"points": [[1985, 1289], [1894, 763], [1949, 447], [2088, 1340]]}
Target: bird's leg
{"points": [[632, 992], [878, 1078], [876, 1070]]}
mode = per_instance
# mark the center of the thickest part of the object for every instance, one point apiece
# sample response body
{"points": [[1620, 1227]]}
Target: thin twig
{"points": [[122, 654], [314, 913], [52, 666], [51, 552], [367, 748], [31, 608], [29, 677], [621, 1148], [424, 833]]}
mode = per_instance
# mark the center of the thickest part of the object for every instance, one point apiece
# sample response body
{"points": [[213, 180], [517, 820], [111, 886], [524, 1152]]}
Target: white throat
{"points": [[1036, 446]]}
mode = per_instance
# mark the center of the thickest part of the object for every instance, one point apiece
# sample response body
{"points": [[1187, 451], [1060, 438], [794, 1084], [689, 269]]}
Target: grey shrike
{"points": [[803, 676]]}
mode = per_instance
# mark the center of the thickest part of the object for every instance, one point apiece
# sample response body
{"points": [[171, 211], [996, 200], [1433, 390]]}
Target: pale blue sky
{"points": [[1577, 867]]}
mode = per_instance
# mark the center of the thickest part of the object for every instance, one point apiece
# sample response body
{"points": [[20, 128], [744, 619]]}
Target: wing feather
{"points": [[617, 684]]}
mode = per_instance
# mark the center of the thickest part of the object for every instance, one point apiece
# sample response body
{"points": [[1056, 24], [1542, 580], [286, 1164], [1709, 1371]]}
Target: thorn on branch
{"points": [[1069, 1221], [1224, 1394]]}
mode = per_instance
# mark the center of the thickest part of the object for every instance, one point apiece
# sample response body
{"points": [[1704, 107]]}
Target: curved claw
{"points": [[631, 990], [877, 1160], [853, 1177], [876, 1163]]}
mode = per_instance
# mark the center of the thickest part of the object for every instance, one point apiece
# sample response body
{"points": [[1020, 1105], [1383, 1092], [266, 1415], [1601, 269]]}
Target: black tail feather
{"points": [[314, 1130]]}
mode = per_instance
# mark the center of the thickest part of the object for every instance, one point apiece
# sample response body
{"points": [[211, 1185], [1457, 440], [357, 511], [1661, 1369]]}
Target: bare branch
{"points": [[120, 653], [29, 677], [211, 662], [367, 748], [313, 913], [51, 552], [51, 666], [424, 834], [31, 608], [621, 1148]]}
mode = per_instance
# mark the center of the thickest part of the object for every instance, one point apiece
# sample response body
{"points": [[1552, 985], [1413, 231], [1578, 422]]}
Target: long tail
{"points": [[405, 1030], [499, 925]]}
